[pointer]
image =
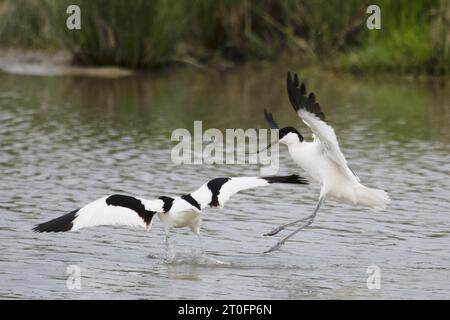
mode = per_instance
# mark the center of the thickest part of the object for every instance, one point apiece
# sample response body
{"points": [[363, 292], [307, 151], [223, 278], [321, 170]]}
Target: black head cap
{"points": [[283, 132]]}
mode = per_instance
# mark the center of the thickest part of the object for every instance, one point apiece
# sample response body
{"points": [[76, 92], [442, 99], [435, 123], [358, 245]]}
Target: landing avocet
{"points": [[321, 159], [178, 212]]}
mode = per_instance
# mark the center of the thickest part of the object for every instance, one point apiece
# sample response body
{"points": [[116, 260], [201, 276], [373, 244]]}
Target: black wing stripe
{"points": [[188, 198], [214, 186], [168, 202], [131, 203], [300, 100]]}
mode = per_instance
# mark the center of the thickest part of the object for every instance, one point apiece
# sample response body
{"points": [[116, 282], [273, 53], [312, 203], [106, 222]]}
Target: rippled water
{"points": [[68, 140]]}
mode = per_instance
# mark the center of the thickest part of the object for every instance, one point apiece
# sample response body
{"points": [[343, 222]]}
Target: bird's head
{"points": [[286, 136], [289, 135]]}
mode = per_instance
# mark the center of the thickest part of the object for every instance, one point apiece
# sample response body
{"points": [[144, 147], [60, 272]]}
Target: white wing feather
{"points": [[309, 111], [98, 213], [204, 195], [102, 213], [326, 136], [216, 192], [234, 185]]}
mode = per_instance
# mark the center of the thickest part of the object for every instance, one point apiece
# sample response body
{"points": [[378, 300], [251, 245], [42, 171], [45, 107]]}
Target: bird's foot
{"points": [[274, 231], [215, 261], [276, 246]]}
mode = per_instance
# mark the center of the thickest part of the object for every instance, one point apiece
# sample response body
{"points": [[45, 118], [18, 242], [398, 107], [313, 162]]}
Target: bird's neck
{"points": [[294, 143]]}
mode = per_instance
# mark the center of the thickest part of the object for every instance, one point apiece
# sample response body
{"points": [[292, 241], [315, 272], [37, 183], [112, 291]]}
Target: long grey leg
{"points": [[310, 220], [201, 243], [167, 243], [284, 226]]}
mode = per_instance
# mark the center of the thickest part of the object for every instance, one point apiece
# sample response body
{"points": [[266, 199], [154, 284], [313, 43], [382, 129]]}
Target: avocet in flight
{"points": [[177, 212], [321, 158]]}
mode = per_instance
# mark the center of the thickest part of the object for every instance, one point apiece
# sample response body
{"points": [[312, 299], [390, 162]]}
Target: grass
{"points": [[25, 24], [146, 34], [414, 39]]}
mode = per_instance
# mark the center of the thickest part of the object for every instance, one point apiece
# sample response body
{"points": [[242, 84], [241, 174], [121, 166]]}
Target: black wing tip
{"points": [[292, 179], [61, 224], [41, 228], [289, 77], [299, 98], [270, 120]]}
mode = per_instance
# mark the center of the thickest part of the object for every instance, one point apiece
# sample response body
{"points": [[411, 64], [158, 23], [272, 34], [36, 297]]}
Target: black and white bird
{"points": [[321, 158], [177, 212]]}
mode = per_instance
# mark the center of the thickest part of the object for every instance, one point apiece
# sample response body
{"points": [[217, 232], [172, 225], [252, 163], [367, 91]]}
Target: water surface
{"points": [[66, 141]]}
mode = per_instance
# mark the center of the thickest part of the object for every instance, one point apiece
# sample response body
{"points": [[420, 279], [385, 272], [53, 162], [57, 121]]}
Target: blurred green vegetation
{"points": [[414, 38]]}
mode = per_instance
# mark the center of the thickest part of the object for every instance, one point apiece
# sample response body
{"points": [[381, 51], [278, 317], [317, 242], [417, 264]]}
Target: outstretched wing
{"points": [[309, 111], [270, 120], [115, 209], [217, 191]]}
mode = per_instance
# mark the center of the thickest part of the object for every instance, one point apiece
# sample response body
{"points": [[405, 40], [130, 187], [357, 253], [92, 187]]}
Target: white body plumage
{"points": [[182, 214], [338, 183]]}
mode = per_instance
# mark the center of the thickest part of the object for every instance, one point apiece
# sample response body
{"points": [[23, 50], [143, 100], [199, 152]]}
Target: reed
{"points": [[146, 34]]}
